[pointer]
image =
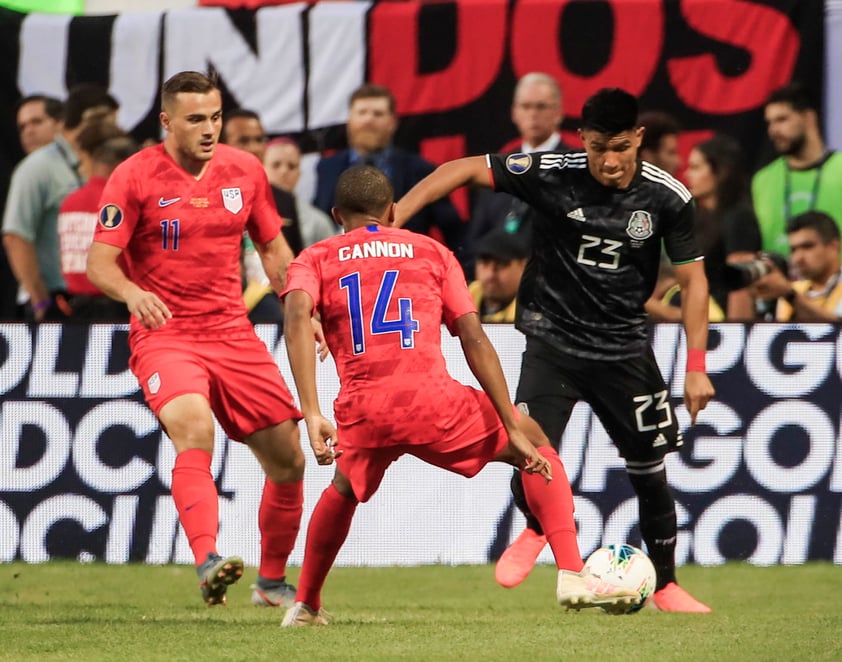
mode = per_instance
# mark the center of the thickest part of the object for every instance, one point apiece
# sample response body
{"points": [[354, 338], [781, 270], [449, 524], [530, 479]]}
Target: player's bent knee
{"points": [[188, 436], [286, 467]]}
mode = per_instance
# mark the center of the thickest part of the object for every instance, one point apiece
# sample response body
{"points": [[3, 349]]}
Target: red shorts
{"points": [[237, 375], [463, 453]]}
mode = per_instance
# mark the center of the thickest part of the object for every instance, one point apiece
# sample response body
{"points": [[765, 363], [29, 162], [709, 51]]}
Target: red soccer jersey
{"points": [[383, 294], [182, 236], [76, 225]]}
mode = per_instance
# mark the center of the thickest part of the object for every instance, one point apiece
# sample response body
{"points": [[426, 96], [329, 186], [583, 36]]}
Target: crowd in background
{"points": [[770, 238]]}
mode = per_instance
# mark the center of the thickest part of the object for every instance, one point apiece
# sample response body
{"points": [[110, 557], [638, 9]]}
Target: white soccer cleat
{"points": [[583, 590], [300, 615]]}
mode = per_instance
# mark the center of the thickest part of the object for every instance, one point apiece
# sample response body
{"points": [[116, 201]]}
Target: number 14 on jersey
{"points": [[404, 325]]}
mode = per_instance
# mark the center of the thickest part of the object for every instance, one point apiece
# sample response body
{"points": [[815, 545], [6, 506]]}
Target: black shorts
{"points": [[629, 397]]}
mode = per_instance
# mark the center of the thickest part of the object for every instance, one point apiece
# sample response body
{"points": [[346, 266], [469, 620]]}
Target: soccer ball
{"points": [[626, 566]]}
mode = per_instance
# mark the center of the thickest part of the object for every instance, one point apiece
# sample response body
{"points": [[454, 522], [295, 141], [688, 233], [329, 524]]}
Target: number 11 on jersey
{"points": [[169, 234], [404, 325]]}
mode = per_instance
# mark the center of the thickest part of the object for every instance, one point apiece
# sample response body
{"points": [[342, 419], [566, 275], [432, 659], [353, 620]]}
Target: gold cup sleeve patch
{"points": [[110, 216]]}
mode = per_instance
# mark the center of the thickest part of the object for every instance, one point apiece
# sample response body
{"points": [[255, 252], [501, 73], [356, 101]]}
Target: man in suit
{"points": [[372, 123], [537, 112]]}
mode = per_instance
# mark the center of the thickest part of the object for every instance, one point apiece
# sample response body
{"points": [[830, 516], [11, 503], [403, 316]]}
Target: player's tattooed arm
{"points": [[275, 255]]}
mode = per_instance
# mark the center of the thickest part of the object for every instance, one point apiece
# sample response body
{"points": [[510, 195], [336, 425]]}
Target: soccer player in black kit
{"points": [[596, 249]]}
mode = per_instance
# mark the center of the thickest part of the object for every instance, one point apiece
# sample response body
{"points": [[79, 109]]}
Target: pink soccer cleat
{"points": [[674, 598]]}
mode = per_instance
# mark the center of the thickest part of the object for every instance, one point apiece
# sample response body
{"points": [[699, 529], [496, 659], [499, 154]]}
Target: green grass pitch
{"points": [[69, 611]]}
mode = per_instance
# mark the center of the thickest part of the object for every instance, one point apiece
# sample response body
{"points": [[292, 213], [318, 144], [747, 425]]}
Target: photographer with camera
{"points": [[814, 256]]}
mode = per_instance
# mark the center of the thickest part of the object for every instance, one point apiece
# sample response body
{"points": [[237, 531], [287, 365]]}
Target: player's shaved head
{"points": [[363, 190], [186, 81]]}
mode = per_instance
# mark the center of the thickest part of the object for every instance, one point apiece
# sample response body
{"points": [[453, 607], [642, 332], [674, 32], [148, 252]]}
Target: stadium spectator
{"points": [[185, 204], [102, 146], [726, 227], [39, 184], [595, 257], [807, 175], [372, 122], [814, 256], [39, 119], [243, 129], [659, 144], [425, 413], [283, 167], [537, 112], [501, 259]]}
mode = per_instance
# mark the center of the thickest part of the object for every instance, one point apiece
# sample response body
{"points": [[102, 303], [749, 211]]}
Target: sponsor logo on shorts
{"points": [[660, 440], [232, 199], [154, 383], [523, 408], [517, 164], [110, 216]]}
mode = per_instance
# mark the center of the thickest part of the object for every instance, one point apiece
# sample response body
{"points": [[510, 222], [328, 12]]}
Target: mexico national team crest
{"points": [[110, 216], [517, 164], [232, 199], [640, 225]]}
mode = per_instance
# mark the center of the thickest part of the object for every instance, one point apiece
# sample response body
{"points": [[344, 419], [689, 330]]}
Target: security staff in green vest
{"points": [[806, 176]]}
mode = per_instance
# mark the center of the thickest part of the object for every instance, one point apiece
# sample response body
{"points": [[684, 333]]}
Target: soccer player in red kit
{"points": [[382, 295], [176, 212]]}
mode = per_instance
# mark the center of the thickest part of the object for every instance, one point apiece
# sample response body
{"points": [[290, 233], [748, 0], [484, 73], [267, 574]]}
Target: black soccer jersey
{"points": [[596, 250]]}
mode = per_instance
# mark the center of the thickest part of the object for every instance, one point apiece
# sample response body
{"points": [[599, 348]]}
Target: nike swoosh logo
{"points": [[167, 203]]}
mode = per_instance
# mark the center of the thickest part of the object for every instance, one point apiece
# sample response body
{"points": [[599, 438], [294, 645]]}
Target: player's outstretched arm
{"points": [[275, 256], [298, 331], [698, 390], [441, 182], [485, 364], [105, 273]]}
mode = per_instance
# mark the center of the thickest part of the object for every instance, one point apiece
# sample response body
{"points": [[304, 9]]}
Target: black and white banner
{"points": [[85, 470]]}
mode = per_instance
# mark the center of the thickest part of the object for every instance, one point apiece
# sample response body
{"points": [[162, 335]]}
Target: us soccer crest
{"points": [[232, 199], [640, 225]]}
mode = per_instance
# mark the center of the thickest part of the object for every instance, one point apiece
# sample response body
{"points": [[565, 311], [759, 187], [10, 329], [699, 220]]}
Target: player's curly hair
{"points": [[187, 81], [363, 189]]}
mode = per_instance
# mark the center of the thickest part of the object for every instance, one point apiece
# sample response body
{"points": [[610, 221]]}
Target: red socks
{"points": [[327, 531], [552, 504], [196, 500], [279, 519]]}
